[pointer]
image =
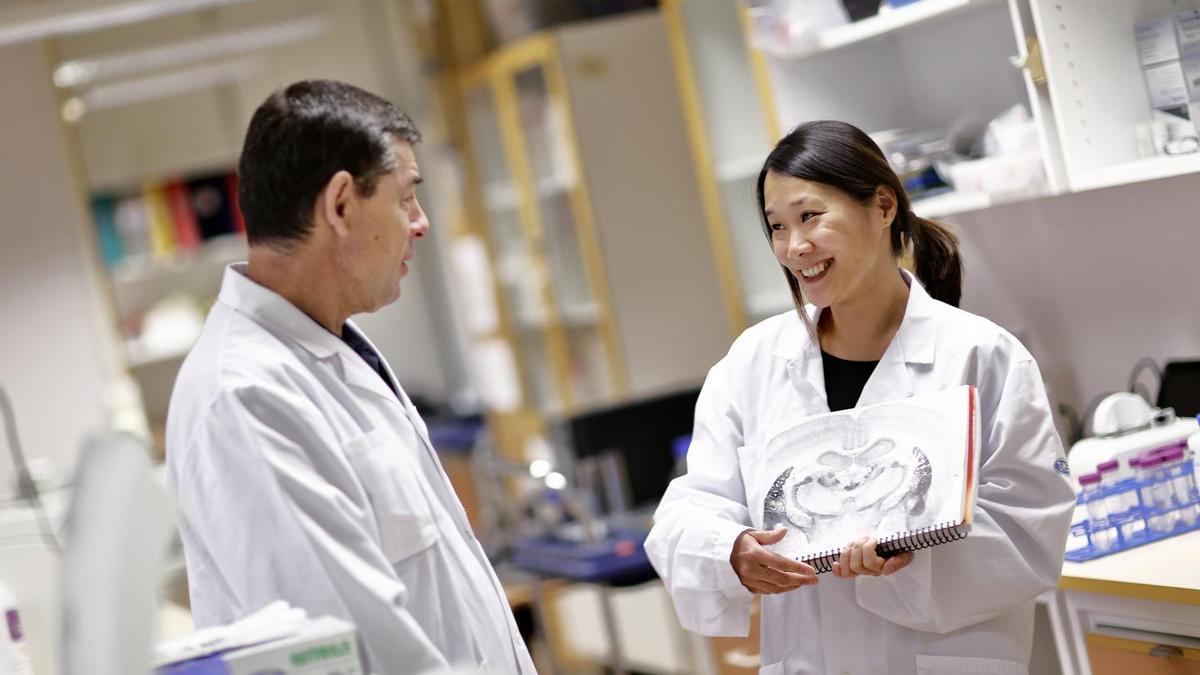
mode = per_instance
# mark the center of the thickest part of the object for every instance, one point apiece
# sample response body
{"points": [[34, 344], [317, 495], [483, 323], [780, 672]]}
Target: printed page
{"points": [[879, 470]]}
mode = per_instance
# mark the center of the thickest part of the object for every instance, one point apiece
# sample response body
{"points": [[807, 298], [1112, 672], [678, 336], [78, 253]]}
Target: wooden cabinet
{"points": [[1117, 656], [603, 269]]}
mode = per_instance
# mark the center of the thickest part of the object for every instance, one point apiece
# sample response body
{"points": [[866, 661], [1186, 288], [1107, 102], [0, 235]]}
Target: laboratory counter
{"points": [[1136, 611]]}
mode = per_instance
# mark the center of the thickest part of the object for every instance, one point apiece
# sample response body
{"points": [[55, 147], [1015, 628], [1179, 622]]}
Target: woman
{"points": [[839, 221]]}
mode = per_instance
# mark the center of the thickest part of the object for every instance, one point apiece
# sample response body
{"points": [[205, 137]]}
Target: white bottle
{"points": [[14, 651]]}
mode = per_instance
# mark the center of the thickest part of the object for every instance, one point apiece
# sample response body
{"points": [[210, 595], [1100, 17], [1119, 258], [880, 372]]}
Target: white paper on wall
{"points": [[473, 280], [495, 375]]}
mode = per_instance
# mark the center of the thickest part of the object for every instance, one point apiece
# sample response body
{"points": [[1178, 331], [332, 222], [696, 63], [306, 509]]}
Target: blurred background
{"points": [[595, 245]]}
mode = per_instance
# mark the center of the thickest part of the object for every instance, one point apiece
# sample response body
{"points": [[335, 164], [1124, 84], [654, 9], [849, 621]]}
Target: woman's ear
{"points": [[886, 204], [332, 202]]}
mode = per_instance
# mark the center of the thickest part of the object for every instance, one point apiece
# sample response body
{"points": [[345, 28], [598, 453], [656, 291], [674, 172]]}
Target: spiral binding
{"points": [[915, 540]]}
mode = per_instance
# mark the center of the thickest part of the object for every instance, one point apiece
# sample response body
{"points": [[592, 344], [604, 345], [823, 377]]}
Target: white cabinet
{"points": [[933, 65], [1097, 89]]}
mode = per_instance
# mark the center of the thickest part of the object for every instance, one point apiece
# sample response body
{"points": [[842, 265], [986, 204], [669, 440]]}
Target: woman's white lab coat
{"points": [[301, 476], [965, 607]]}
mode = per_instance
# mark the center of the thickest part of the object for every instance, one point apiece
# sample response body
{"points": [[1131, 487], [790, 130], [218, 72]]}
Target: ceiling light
{"points": [[80, 72], [156, 87], [37, 20]]}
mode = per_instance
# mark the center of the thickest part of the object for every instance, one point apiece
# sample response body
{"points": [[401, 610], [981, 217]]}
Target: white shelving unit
{"points": [[739, 168], [1097, 90], [942, 57], [1135, 171], [886, 22]]}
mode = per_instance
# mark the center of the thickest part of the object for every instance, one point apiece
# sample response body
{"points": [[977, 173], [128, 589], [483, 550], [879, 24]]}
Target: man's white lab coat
{"points": [[301, 476]]}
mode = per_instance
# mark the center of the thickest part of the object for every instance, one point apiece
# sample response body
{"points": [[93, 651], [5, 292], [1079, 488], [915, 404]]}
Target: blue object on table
{"points": [[456, 436], [1115, 527], [619, 560], [679, 446], [212, 664]]}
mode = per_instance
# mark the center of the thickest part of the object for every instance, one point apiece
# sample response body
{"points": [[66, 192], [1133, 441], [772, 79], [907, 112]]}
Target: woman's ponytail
{"points": [[936, 259]]}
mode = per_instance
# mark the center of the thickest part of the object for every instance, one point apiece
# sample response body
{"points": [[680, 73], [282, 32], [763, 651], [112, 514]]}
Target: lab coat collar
{"points": [[915, 341], [913, 345], [267, 307]]}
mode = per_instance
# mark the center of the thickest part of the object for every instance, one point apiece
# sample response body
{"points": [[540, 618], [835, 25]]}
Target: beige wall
{"points": [[1091, 281], [56, 343]]}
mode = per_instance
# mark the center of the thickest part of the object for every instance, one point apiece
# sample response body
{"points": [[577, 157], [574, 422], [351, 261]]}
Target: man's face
{"points": [[375, 256]]}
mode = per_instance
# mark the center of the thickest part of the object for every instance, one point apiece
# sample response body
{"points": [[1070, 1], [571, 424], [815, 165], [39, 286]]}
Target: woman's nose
{"points": [[798, 245]]}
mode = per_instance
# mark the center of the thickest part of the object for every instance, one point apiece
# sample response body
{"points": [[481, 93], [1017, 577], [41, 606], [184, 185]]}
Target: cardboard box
{"points": [[324, 646], [1169, 53]]}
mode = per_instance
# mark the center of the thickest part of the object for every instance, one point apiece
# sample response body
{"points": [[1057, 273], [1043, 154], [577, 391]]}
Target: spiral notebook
{"points": [[905, 472]]}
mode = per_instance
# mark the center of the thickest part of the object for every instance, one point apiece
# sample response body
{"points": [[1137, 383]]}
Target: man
{"points": [[301, 468]]}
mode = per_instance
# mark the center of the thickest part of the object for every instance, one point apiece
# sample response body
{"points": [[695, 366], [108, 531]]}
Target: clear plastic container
{"points": [[1108, 479], [1097, 509], [1159, 493], [1182, 484]]}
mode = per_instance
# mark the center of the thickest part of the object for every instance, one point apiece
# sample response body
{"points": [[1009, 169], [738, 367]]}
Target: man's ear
{"points": [[333, 201], [886, 203]]}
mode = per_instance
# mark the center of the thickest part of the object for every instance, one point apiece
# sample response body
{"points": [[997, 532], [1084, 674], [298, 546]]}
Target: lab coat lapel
{"points": [[912, 348], [375, 384], [800, 356], [357, 373]]}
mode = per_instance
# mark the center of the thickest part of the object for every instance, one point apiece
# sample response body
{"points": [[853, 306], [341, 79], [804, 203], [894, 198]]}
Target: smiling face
{"points": [[835, 246]]}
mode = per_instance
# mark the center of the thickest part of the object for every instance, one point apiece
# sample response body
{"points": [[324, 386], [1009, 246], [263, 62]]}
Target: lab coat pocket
{"points": [[936, 665], [771, 669], [749, 460], [405, 522]]}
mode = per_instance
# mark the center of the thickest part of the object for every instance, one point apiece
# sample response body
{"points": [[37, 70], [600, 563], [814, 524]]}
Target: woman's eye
{"points": [[776, 227], [807, 215]]}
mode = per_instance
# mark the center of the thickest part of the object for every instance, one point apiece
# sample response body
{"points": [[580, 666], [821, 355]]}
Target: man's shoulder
{"points": [[233, 354]]}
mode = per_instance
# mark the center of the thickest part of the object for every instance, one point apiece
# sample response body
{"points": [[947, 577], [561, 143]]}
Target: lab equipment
{"points": [[277, 639], [119, 530], [1097, 512], [1182, 483], [1160, 486], [1179, 388], [642, 431], [1125, 426], [14, 655]]}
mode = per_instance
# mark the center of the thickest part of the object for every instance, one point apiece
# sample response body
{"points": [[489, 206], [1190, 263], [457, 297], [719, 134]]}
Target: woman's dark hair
{"points": [[842, 156], [298, 138]]}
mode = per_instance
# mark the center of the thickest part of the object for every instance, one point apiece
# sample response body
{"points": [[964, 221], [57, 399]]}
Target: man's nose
{"points": [[419, 222]]}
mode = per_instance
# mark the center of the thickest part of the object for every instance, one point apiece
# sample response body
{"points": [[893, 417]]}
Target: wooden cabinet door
{"points": [[1118, 656]]}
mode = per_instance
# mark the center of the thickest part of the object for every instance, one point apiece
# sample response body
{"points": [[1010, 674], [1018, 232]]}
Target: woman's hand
{"points": [[859, 559], [763, 571]]}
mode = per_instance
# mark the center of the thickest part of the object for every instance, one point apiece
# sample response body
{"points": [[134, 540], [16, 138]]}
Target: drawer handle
{"points": [[1165, 651]]}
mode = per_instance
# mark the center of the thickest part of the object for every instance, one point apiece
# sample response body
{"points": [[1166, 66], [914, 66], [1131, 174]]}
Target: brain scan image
{"points": [[848, 475]]}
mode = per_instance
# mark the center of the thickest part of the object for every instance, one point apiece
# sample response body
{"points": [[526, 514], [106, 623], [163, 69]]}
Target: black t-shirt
{"points": [[844, 380], [360, 346]]}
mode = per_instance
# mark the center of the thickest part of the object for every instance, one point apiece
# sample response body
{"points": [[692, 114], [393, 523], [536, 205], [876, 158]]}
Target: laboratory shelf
{"points": [[888, 21], [954, 203], [1151, 168], [219, 252], [503, 196], [738, 169]]}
